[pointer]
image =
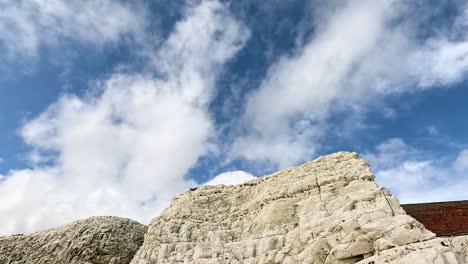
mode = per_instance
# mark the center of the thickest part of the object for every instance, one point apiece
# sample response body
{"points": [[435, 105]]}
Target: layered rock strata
{"points": [[96, 240], [325, 211]]}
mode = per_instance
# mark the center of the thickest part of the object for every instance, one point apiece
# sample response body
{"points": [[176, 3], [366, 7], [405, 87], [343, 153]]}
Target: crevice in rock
{"points": [[389, 204]]}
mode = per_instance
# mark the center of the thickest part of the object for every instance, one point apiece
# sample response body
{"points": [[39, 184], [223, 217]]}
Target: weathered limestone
{"points": [[460, 245], [96, 240], [325, 211], [432, 251]]}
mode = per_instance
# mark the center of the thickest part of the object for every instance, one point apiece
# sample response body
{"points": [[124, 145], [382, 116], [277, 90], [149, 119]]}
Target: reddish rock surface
{"points": [[442, 218]]}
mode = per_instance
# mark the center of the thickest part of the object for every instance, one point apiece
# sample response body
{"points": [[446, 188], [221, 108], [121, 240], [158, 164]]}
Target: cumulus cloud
{"points": [[125, 147], [417, 176], [360, 53], [231, 178]]}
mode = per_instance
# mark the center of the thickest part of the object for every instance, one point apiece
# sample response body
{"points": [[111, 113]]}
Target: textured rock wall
{"points": [[326, 211], [96, 240], [432, 251]]}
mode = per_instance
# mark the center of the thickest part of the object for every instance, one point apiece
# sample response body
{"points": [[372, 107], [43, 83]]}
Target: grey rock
{"points": [[96, 240]]}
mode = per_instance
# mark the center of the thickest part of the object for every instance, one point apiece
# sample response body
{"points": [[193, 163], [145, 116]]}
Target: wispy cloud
{"points": [[124, 148], [461, 163], [432, 130], [418, 176], [361, 52], [26, 26]]}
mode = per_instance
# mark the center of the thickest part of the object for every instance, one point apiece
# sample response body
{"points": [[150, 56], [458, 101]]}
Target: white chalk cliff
{"points": [[328, 210], [325, 211]]}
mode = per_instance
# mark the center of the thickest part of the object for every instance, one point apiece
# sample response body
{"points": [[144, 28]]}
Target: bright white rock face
{"points": [[460, 245], [328, 210]]}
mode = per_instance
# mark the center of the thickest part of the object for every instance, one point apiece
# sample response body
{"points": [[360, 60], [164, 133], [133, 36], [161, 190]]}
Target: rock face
{"points": [[431, 251], [460, 245], [325, 211], [96, 240]]}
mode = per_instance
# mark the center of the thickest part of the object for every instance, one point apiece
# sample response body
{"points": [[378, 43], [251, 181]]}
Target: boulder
{"points": [[96, 240]]}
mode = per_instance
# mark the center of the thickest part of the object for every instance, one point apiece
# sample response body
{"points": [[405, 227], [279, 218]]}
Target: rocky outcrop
{"points": [[325, 211], [96, 240], [460, 245], [328, 210], [431, 252]]}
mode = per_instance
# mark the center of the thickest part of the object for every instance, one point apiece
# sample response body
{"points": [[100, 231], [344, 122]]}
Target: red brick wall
{"points": [[444, 218]]}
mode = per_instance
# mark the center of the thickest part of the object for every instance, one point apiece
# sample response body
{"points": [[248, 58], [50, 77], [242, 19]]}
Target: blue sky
{"points": [[112, 107]]}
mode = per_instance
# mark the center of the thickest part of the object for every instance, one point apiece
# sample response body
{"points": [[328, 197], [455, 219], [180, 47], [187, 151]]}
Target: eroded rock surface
{"points": [[325, 211], [460, 245], [428, 252], [96, 240]]}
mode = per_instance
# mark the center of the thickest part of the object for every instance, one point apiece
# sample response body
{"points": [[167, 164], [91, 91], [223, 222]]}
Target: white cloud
{"points": [[26, 26], [282, 149], [461, 163], [361, 53], [391, 153], [443, 59], [415, 176], [125, 147], [440, 62], [231, 178], [300, 91]]}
